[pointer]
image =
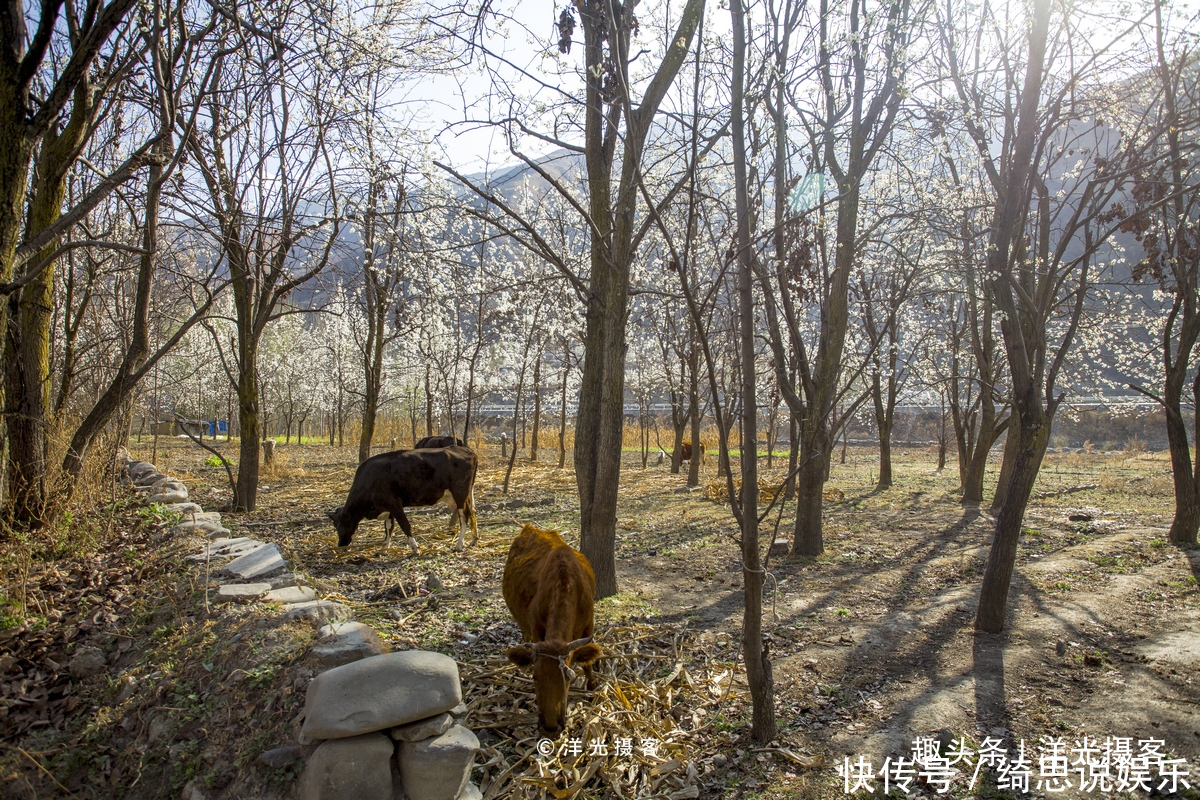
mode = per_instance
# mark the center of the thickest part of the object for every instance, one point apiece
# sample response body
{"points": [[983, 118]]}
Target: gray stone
{"points": [[358, 767], [202, 522], [207, 527], [280, 757], [185, 508], [423, 729], [218, 533], [438, 769], [459, 711], [343, 642], [140, 469], [241, 592], [378, 693], [168, 496], [284, 579], [148, 479], [291, 594], [87, 662], [470, 792], [166, 484], [192, 791], [227, 548], [780, 547], [318, 612], [263, 562]]}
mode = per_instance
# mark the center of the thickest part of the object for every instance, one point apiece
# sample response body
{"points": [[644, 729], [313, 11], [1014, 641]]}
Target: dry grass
{"points": [[672, 670]]}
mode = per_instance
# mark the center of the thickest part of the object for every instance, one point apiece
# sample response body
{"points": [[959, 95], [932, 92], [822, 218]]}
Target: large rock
{"points": [[203, 522], [377, 693], [280, 757], [344, 642], [318, 612], [438, 769], [470, 792], [87, 662], [262, 563], [227, 548], [167, 491], [140, 469], [185, 507], [148, 479], [241, 592], [291, 594], [283, 579], [423, 729], [357, 768]]}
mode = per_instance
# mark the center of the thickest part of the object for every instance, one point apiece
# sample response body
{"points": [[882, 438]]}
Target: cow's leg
{"points": [[591, 677], [463, 510], [389, 523], [470, 511], [406, 526]]}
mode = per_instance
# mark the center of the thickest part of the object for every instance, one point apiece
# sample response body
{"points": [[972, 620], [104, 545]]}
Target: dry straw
{"points": [[648, 689]]}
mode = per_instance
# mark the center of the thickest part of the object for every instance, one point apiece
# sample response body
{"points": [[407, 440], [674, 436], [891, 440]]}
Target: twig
{"points": [[38, 764], [1071, 490]]}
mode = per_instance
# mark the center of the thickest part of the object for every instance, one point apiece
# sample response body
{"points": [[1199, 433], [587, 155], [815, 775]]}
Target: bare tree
{"points": [[275, 222], [857, 113], [1166, 220], [610, 116]]}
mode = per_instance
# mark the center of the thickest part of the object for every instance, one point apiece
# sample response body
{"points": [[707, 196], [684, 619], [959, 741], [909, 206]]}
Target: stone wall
{"points": [[375, 724]]}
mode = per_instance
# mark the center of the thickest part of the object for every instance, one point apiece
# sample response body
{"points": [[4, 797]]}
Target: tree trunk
{"points": [[599, 424], [942, 437], [1186, 523], [562, 419], [997, 577], [27, 342], [885, 455], [883, 423], [976, 457], [807, 538], [1007, 462], [428, 402], [248, 423], [754, 650], [374, 376], [537, 407], [693, 478], [612, 226], [789, 490]]}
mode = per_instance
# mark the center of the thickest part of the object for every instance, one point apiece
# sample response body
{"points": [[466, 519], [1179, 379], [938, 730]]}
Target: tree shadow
{"points": [[886, 650], [987, 666]]}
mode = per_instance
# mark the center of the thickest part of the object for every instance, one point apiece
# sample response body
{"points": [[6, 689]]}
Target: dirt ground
{"points": [[872, 643]]}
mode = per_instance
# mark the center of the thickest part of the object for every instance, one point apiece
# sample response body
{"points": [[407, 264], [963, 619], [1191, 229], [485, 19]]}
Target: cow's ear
{"points": [[585, 655], [333, 515], [521, 655]]}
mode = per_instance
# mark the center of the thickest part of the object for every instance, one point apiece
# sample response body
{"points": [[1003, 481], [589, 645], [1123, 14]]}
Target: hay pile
{"points": [[718, 490], [654, 686]]}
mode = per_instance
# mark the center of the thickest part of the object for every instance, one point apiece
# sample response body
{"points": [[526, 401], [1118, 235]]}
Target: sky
{"points": [[442, 102]]}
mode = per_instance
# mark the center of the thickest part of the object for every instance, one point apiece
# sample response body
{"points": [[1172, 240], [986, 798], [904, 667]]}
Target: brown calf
{"points": [[549, 588], [685, 452]]}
